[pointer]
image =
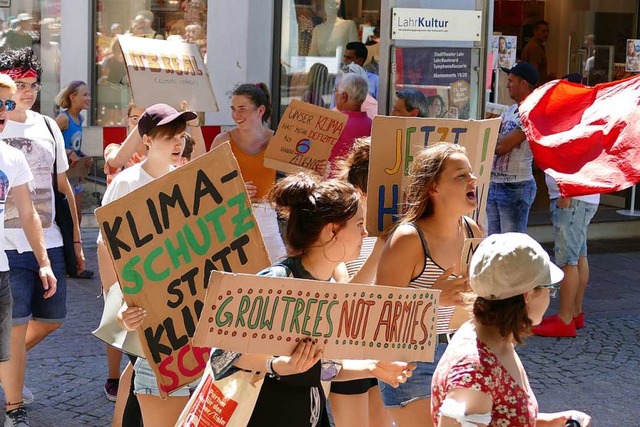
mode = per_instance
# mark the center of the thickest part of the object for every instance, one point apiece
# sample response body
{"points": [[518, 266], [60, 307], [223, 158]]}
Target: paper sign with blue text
{"points": [[394, 143], [165, 239], [305, 136], [269, 315]]}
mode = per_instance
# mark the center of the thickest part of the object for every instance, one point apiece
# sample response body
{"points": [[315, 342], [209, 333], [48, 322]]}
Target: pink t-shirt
{"points": [[358, 125]]}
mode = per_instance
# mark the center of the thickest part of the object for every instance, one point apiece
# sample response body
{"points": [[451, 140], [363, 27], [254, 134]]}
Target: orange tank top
{"points": [[252, 169]]}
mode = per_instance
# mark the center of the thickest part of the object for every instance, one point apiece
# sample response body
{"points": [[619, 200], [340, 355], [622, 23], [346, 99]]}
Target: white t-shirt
{"points": [[34, 139], [124, 183], [515, 166], [14, 171], [554, 191]]}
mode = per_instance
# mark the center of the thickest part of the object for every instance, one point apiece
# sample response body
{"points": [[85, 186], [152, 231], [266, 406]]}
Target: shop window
{"points": [[315, 34], [36, 25], [179, 20]]}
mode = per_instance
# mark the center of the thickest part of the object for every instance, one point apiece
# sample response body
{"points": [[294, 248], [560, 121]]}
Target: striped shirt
{"points": [[367, 247], [428, 277]]}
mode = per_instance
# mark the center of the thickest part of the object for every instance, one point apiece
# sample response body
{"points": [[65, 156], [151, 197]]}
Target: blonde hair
{"points": [[63, 99], [7, 82]]}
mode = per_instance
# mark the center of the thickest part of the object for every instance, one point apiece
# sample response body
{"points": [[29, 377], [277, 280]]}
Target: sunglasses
{"points": [[553, 289], [8, 104]]}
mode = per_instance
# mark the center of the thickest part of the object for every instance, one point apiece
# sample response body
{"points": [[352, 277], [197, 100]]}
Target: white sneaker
{"points": [[27, 396]]}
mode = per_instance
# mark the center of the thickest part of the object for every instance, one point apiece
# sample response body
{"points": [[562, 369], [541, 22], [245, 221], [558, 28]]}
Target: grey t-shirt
{"points": [[515, 166]]}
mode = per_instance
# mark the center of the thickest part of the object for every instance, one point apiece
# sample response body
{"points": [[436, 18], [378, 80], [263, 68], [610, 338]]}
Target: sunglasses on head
{"points": [[8, 104]]}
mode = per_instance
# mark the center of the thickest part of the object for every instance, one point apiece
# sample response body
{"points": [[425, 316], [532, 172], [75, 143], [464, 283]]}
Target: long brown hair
{"points": [[424, 172]]}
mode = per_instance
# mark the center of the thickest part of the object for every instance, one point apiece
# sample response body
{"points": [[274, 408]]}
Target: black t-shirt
{"points": [[294, 400]]}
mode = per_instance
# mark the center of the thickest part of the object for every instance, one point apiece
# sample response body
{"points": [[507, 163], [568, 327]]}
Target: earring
{"points": [[344, 253]]}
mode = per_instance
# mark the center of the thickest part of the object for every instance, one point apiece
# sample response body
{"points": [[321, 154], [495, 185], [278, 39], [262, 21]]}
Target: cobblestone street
{"points": [[597, 372]]}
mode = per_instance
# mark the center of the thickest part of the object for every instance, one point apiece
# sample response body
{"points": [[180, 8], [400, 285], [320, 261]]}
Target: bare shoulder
{"points": [[404, 240], [63, 121], [220, 139], [478, 231]]}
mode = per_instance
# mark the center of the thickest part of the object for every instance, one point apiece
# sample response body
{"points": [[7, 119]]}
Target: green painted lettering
{"points": [[254, 321], [328, 317], [148, 267], [310, 302], [319, 317], [214, 218], [243, 213], [131, 275], [288, 300], [197, 247], [228, 317], [182, 250], [245, 305]]}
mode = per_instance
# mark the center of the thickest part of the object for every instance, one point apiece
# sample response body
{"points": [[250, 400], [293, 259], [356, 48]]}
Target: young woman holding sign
{"points": [[162, 129], [325, 227], [428, 244], [251, 109]]}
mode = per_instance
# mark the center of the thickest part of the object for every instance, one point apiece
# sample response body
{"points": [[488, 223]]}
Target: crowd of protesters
{"points": [[476, 378]]}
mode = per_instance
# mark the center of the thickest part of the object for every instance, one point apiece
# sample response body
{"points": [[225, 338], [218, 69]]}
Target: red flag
{"points": [[587, 138]]}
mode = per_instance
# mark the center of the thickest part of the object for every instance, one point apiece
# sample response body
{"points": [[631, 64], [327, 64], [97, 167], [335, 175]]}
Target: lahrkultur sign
{"points": [[436, 24]]}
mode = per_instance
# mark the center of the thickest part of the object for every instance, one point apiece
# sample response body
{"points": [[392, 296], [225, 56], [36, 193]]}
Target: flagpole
{"points": [[631, 212]]}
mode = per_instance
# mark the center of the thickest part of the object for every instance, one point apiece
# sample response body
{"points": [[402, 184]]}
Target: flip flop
{"points": [[84, 274]]}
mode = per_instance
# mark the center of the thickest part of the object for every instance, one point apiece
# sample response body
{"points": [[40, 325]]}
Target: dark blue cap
{"points": [[525, 71]]}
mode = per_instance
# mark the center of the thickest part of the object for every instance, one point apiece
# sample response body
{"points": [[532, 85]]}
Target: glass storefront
{"points": [[36, 24], [315, 34], [179, 20]]}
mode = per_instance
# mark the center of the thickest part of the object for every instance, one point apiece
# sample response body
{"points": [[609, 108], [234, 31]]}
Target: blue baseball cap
{"points": [[525, 71]]}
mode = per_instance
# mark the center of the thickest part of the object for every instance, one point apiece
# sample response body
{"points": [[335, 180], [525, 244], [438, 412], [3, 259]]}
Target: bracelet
{"points": [[194, 126], [270, 370], [78, 241]]}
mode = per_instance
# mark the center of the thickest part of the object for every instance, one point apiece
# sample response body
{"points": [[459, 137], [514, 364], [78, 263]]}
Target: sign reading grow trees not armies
{"points": [[165, 239]]}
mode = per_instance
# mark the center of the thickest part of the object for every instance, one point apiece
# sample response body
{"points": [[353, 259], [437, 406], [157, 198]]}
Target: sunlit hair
{"points": [[63, 99], [354, 168], [508, 315], [7, 83], [309, 205], [424, 173], [258, 94]]}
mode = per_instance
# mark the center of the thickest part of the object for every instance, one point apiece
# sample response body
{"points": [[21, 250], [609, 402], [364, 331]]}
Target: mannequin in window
{"points": [[333, 33]]}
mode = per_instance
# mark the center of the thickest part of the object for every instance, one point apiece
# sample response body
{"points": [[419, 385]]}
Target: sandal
{"points": [[84, 274]]}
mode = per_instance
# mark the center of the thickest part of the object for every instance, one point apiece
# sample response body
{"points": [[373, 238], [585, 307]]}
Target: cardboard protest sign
{"points": [[165, 238], [169, 72], [306, 134], [394, 143], [468, 249], [269, 315]]}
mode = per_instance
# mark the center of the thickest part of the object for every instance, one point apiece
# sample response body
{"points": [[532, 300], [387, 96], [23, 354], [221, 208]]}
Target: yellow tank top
{"points": [[252, 169]]}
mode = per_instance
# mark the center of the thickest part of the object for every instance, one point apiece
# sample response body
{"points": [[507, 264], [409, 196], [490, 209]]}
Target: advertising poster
{"points": [[632, 62], [165, 239], [504, 51], [305, 136], [270, 315], [394, 143], [169, 72], [442, 74]]}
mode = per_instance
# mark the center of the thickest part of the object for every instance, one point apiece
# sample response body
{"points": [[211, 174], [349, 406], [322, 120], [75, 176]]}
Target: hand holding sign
{"points": [[303, 358], [392, 373]]}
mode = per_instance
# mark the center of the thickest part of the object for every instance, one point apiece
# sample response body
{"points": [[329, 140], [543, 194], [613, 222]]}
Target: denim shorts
{"points": [[28, 293], [508, 205], [5, 316], [418, 385], [570, 230], [145, 382]]}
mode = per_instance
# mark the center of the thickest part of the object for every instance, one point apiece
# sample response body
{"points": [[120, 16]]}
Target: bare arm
{"points": [[199, 147], [475, 403], [65, 187], [367, 272], [107, 271], [303, 358], [508, 142], [402, 249], [558, 419], [30, 222], [118, 158]]}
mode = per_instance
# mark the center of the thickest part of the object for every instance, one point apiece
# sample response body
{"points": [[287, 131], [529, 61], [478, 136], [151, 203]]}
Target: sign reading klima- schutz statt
{"points": [[436, 24]]}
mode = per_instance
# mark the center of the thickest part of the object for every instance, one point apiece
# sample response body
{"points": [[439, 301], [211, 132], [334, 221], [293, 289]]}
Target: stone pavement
{"points": [[597, 372]]}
